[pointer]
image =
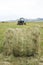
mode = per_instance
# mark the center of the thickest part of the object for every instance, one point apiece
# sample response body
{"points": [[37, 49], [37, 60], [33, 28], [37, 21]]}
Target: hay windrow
{"points": [[21, 42]]}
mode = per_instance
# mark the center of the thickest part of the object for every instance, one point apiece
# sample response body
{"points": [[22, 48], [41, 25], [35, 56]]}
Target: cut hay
{"points": [[25, 61], [21, 61], [22, 42]]}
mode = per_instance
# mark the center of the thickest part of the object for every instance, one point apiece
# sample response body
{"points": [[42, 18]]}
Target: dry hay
{"points": [[21, 42], [21, 61], [25, 61]]}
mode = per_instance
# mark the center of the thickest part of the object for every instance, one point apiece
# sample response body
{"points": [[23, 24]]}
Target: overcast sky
{"points": [[13, 9]]}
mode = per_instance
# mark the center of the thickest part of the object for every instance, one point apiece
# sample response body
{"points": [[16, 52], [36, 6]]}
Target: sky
{"points": [[14, 9]]}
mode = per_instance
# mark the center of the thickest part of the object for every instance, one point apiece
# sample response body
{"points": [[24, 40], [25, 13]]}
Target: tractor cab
{"points": [[21, 21]]}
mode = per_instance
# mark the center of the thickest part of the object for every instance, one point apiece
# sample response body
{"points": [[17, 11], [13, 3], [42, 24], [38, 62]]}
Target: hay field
{"points": [[5, 26]]}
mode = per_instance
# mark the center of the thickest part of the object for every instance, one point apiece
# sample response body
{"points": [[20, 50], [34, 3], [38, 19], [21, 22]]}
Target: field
{"points": [[5, 26]]}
